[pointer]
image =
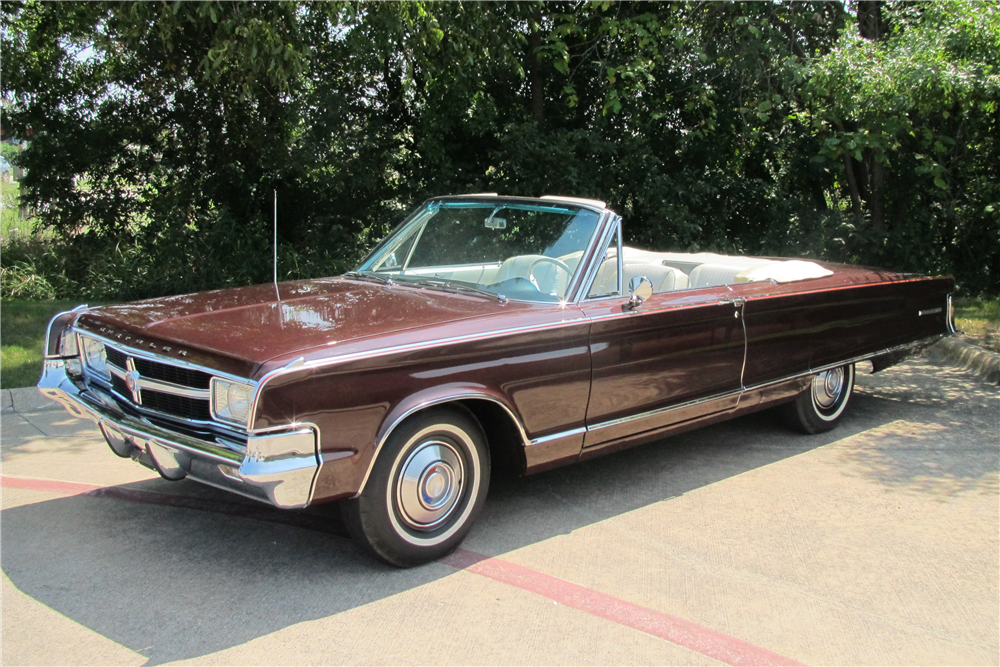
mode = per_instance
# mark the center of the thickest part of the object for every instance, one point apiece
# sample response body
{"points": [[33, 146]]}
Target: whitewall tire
{"points": [[426, 488], [820, 407]]}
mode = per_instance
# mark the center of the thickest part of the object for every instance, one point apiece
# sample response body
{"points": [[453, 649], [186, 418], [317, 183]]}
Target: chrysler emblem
{"points": [[132, 381]]}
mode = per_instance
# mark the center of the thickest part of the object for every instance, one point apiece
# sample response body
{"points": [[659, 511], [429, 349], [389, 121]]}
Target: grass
{"points": [[979, 319], [22, 335], [10, 223]]}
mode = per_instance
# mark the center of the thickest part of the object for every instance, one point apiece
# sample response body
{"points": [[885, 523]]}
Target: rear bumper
{"points": [[278, 467]]}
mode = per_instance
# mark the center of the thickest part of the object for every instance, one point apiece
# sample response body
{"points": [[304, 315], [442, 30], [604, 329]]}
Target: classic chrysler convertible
{"points": [[484, 331]]}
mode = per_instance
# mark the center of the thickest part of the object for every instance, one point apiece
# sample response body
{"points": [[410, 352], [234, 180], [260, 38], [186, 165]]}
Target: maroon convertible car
{"points": [[483, 331]]}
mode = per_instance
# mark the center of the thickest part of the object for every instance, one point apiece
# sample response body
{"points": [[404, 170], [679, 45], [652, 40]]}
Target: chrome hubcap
{"points": [[827, 388], [430, 484]]}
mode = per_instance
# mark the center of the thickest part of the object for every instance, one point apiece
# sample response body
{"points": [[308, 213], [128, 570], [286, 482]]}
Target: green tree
{"points": [[906, 108], [862, 132]]}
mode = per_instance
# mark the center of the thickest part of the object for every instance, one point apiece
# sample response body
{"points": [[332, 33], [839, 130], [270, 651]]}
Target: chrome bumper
{"points": [[277, 467]]}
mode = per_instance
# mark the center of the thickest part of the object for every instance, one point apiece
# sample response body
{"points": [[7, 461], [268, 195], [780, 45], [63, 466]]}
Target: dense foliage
{"points": [[160, 131]]}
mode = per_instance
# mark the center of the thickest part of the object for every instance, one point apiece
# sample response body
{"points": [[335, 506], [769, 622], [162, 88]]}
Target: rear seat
{"points": [[636, 262], [675, 271], [664, 278], [724, 272]]}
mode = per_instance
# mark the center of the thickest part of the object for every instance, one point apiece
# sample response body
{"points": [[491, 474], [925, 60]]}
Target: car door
{"points": [[677, 356]]}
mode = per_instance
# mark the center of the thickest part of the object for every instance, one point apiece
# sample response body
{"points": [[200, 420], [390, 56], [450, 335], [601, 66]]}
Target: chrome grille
{"points": [[186, 377], [118, 383], [181, 406], [180, 392], [116, 357]]}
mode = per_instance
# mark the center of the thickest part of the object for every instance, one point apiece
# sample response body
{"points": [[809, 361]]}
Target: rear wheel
{"points": [[428, 485], [820, 407]]}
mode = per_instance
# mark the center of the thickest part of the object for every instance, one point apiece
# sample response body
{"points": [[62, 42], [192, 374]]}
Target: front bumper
{"points": [[278, 467]]}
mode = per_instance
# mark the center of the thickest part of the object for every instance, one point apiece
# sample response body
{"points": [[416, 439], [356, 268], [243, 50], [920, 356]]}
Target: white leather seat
{"points": [[549, 278], [663, 278], [723, 272]]}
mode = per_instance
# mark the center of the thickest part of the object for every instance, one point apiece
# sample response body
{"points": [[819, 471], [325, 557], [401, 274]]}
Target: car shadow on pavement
{"points": [[176, 570]]}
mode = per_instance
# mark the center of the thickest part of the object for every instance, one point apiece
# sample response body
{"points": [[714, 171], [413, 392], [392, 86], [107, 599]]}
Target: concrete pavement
{"points": [[740, 543]]}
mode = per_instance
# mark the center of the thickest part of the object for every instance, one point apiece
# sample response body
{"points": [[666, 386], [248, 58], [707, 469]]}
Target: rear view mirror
{"points": [[494, 222]]}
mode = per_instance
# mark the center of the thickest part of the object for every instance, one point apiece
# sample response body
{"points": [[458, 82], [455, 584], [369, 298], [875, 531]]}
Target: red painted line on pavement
{"points": [[706, 641], [47, 485], [698, 638]]}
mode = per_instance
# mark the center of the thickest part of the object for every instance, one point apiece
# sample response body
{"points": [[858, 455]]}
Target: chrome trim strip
{"points": [[588, 278], [558, 436], [595, 204], [621, 259], [427, 404], [949, 316], [629, 313], [169, 388], [664, 410], [399, 349], [845, 362], [576, 292], [762, 385], [929, 311], [837, 288]]}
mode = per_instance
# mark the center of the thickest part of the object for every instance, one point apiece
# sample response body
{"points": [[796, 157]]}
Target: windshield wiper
{"points": [[371, 277], [462, 288]]}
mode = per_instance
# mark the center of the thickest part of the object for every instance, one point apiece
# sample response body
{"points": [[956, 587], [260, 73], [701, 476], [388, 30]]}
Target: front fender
{"points": [[447, 393]]}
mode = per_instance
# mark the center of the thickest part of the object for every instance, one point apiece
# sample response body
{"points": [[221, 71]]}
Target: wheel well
{"points": [[502, 434]]}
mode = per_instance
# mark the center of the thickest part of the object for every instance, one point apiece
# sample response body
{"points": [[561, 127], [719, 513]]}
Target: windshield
{"points": [[521, 250]]}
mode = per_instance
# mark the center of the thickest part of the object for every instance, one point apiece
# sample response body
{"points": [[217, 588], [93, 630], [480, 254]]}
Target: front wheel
{"points": [[428, 485], [819, 408]]}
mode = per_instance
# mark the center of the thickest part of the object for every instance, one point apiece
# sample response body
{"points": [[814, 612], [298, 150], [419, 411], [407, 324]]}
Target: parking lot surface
{"points": [[741, 543]]}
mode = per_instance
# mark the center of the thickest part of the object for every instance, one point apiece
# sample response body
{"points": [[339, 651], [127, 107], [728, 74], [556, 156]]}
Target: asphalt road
{"points": [[741, 543]]}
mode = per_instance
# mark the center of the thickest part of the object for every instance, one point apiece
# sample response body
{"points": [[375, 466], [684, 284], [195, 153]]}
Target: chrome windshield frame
{"points": [[575, 290]]}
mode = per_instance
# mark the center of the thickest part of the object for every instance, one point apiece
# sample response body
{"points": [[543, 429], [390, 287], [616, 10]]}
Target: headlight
{"points": [[95, 357], [231, 400], [67, 344]]}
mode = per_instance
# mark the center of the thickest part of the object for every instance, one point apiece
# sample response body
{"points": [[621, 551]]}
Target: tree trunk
{"points": [[876, 191], [852, 184], [870, 27], [535, 68], [870, 19]]}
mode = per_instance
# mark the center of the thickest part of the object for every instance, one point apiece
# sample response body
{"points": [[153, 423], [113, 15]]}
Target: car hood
{"points": [[253, 324]]}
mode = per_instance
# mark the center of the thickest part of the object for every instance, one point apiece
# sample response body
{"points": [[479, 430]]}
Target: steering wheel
{"points": [[542, 259]]}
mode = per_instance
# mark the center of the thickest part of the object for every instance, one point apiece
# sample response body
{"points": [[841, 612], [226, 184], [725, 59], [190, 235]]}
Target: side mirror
{"points": [[640, 288]]}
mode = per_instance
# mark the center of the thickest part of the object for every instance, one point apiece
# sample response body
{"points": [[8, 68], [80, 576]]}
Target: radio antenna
{"points": [[276, 245]]}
